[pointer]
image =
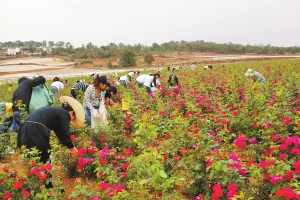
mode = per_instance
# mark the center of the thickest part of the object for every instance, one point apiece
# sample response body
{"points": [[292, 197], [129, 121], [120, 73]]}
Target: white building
{"points": [[13, 50]]}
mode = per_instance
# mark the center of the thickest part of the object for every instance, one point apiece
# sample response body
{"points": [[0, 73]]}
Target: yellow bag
{"points": [[125, 103]]}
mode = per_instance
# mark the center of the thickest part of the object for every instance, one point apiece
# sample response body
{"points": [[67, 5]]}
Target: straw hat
{"points": [[78, 109], [249, 72]]}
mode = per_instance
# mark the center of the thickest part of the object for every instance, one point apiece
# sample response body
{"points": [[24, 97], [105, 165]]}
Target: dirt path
{"points": [[13, 69]]}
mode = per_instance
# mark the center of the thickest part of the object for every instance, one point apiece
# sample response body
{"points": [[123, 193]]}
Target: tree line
{"points": [[112, 50]]}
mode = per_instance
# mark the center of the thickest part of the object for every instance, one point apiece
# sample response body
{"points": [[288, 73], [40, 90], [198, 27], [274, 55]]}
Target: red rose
{"points": [[297, 164], [111, 192], [42, 175], [102, 161], [125, 166], [6, 196], [104, 186], [232, 187], [19, 184], [25, 193]]}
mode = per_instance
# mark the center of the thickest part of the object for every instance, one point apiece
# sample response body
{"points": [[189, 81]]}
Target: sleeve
{"points": [[85, 87], [62, 85], [37, 81], [107, 94], [87, 97], [154, 81], [62, 131], [170, 77]]}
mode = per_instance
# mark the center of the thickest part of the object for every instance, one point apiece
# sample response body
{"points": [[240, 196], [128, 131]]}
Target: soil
{"points": [[57, 64]]}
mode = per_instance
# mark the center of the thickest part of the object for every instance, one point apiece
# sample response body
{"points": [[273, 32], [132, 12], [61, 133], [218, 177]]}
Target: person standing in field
{"points": [[256, 76], [79, 86], [94, 95], [21, 98], [57, 86]]}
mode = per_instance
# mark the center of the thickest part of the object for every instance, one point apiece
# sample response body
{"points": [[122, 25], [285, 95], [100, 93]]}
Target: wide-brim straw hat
{"points": [[249, 72], [77, 108]]}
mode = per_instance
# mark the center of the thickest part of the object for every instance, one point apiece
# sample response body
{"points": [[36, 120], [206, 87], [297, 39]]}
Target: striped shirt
{"points": [[91, 98], [259, 77], [80, 86]]}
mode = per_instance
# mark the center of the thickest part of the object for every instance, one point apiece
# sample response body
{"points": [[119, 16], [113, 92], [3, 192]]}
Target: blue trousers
{"points": [[88, 114], [17, 121]]}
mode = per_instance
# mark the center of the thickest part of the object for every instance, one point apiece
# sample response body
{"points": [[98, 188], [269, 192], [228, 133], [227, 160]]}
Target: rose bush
{"points": [[216, 136]]}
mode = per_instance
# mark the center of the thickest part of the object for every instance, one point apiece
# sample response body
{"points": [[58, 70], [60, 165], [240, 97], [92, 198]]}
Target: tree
{"points": [[90, 46], [148, 58], [128, 58], [60, 43], [44, 53], [68, 44], [31, 47], [155, 47], [44, 43], [51, 43]]}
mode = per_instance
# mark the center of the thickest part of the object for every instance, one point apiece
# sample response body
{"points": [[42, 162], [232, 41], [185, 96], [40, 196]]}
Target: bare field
{"points": [[12, 69]]}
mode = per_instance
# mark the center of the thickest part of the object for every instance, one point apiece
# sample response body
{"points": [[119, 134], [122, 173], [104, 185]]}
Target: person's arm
{"points": [[107, 98], [37, 81], [62, 131], [158, 83], [126, 80], [62, 86], [154, 81]]}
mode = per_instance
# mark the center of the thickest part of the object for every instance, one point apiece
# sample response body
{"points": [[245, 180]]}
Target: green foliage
{"points": [[109, 64], [127, 58], [44, 53], [31, 47], [148, 58], [183, 141]]}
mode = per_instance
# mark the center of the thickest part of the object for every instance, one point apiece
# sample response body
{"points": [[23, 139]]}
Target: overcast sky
{"points": [[274, 22]]}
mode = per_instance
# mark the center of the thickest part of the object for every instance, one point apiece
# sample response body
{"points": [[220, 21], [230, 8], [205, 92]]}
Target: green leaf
{"points": [[152, 168], [144, 181], [163, 174], [217, 167]]}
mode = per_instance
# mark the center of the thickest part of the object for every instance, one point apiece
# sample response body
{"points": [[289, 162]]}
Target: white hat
{"points": [[249, 72], [77, 108]]}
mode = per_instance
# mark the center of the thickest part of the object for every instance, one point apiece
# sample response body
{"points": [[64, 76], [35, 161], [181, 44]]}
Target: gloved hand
{"points": [[94, 112]]}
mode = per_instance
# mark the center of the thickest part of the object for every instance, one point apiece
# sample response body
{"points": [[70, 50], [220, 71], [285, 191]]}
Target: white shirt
{"points": [[142, 78], [148, 81], [124, 78], [131, 74], [58, 84]]}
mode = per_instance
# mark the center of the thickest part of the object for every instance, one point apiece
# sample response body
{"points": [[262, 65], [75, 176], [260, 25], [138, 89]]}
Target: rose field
{"points": [[216, 136]]}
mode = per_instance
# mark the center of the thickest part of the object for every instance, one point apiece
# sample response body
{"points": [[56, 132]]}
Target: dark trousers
{"points": [[44, 158]]}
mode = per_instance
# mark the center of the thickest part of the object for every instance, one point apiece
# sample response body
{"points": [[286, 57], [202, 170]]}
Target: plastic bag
{"points": [[41, 96], [101, 116]]}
